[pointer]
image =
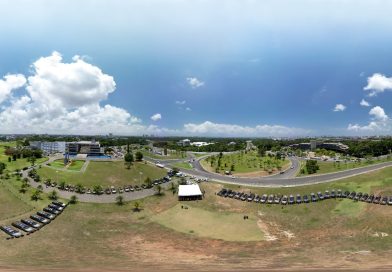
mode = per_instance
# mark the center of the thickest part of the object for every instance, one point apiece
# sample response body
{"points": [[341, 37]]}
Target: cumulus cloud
{"points": [[194, 82], [156, 117], [180, 102], [215, 129], [339, 107], [188, 109], [378, 83], [380, 123], [10, 83], [364, 103]]}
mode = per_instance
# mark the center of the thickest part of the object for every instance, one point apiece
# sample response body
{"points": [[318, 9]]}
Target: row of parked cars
{"points": [[35, 222], [312, 197]]}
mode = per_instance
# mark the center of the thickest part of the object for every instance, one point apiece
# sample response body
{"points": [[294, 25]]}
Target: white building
{"points": [[185, 142], [189, 192], [49, 147]]}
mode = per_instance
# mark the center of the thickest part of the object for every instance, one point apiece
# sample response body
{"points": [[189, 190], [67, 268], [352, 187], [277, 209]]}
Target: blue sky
{"points": [[258, 68]]}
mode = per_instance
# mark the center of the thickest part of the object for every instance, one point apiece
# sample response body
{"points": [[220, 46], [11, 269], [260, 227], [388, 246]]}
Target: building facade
{"points": [[49, 147], [89, 148]]}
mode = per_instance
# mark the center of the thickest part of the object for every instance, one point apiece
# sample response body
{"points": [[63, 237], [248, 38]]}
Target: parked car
{"points": [[357, 196], [345, 194], [284, 200], [11, 232], [263, 198], [52, 211], [298, 199], [291, 199], [32, 223], [305, 199], [390, 200], [58, 203], [370, 199], [23, 226], [320, 196], [339, 193], [352, 195], [333, 194], [270, 199], [40, 219], [251, 197], [384, 200], [59, 208], [364, 197], [46, 215], [377, 199], [277, 199], [327, 194], [256, 199], [313, 197]]}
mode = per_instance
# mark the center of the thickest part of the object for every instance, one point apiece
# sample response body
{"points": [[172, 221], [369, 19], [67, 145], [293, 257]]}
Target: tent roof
{"points": [[189, 190]]}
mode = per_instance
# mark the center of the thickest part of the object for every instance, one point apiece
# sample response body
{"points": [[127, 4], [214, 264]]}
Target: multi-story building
{"points": [[49, 147], [89, 148]]}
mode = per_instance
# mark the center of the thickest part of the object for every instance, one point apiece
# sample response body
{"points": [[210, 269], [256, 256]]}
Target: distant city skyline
{"points": [[196, 68]]}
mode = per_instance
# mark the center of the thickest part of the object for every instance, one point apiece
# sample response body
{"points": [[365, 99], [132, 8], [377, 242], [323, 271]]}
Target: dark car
{"points": [[270, 199], [313, 197], [23, 226], [364, 197], [244, 197], [46, 215], [221, 192], [237, 195], [284, 200], [377, 199], [52, 211], [291, 199], [40, 219], [59, 208], [320, 195], [345, 194], [298, 199], [390, 200], [60, 204], [263, 198], [11, 232], [352, 195], [333, 194], [32, 223], [339, 193], [358, 196], [256, 199], [305, 199], [384, 200], [370, 199], [251, 197], [327, 194]]}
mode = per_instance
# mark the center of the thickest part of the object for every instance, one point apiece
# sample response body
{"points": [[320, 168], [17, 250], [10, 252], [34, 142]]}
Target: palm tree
{"points": [[120, 200], [73, 199], [79, 188], [53, 195], [62, 185]]}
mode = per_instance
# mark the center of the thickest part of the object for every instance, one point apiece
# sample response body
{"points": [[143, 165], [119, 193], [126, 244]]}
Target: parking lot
{"points": [[35, 222], [294, 198]]}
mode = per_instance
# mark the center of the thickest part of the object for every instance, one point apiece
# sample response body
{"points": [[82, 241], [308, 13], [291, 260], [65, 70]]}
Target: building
{"points": [[313, 145], [49, 147], [189, 192], [249, 145], [89, 148], [199, 144], [185, 142]]}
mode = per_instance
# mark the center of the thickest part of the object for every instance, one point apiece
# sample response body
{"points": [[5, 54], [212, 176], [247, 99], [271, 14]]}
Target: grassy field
{"points": [[203, 223], [185, 165], [332, 234], [329, 167], [19, 163], [244, 163], [105, 174], [74, 165], [170, 156]]}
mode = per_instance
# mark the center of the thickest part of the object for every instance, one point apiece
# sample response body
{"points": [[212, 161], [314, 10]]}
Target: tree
{"points": [[79, 188], [173, 188], [232, 168], [128, 158], [158, 189], [33, 160], [23, 188], [97, 189], [40, 188], [120, 200], [2, 167], [136, 206], [311, 166], [139, 156], [36, 195], [9, 159], [147, 181], [53, 195], [73, 199], [62, 185]]}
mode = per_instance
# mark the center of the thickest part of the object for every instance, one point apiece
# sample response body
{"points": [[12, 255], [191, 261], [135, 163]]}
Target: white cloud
{"points": [[180, 102], [339, 107], [188, 109], [378, 113], [378, 83], [10, 83], [215, 129], [156, 117], [194, 82], [380, 124], [364, 103]]}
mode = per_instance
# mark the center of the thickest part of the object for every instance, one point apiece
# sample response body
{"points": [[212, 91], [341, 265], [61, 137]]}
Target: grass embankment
{"points": [[185, 165], [244, 162], [330, 167], [73, 165], [105, 174]]}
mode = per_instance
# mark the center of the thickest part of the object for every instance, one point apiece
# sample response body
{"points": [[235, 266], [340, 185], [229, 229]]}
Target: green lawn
{"points": [[185, 165], [10, 203], [105, 174], [171, 155], [204, 223], [329, 167], [74, 165], [244, 163]]}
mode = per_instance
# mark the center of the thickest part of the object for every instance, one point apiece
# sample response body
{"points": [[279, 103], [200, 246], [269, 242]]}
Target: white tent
{"points": [[189, 192]]}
